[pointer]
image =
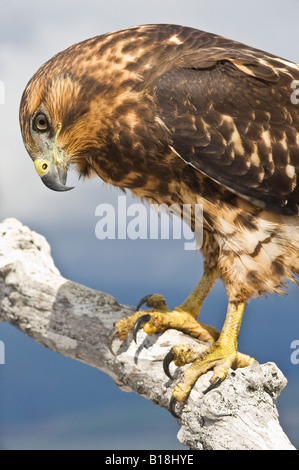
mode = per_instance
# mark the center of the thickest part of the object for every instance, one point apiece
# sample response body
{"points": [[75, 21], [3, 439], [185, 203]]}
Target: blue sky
{"points": [[49, 401]]}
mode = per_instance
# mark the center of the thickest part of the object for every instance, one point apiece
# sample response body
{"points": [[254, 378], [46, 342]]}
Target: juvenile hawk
{"points": [[181, 116]]}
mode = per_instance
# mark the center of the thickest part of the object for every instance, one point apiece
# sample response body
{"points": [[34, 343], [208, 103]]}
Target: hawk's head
{"points": [[66, 110], [46, 102], [60, 120]]}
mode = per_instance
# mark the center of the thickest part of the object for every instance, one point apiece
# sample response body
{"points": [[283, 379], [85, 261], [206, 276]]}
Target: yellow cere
{"points": [[41, 166]]}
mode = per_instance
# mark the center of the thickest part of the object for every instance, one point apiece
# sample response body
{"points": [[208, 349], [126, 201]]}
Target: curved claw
{"points": [[172, 405], [139, 324], [166, 362], [213, 385], [111, 337], [143, 301]]}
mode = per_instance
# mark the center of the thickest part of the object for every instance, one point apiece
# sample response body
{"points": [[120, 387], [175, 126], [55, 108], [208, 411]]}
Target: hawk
{"points": [[181, 116]]}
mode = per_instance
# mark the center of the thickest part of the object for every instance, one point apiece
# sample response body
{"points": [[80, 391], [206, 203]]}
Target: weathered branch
{"points": [[76, 321]]}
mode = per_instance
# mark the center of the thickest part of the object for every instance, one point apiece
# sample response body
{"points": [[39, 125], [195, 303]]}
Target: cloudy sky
{"points": [[44, 395]]}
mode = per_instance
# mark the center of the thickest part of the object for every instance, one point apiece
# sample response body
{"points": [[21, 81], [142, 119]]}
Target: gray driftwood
{"points": [[76, 321]]}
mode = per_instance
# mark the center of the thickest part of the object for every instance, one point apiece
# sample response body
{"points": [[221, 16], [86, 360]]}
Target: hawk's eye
{"points": [[41, 122]]}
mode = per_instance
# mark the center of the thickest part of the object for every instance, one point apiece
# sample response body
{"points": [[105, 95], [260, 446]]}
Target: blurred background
{"points": [[48, 401]]}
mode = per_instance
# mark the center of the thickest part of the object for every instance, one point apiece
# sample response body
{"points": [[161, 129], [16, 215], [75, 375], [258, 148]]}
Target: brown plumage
{"points": [[178, 115]]}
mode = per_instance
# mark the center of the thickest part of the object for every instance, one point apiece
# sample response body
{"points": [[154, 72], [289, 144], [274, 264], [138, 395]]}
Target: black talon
{"points": [[172, 405], [166, 362], [112, 335], [139, 324], [143, 301], [213, 385]]}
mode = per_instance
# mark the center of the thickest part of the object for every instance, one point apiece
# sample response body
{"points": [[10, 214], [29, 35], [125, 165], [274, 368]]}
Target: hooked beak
{"points": [[55, 177], [53, 173]]}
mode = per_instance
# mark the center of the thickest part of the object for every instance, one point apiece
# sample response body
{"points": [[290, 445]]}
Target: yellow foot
{"points": [[160, 318], [217, 357]]}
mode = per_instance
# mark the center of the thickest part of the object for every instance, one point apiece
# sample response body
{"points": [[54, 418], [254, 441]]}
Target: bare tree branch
{"points": [[76, 321]]}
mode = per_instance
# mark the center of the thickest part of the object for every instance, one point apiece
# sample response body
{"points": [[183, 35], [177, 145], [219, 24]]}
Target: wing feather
{"points": [[230, 115]]}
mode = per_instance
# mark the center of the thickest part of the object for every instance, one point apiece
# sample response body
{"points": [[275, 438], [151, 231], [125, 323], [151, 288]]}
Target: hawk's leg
{"points": [[193, 303], [219, 357], [183, 318]]}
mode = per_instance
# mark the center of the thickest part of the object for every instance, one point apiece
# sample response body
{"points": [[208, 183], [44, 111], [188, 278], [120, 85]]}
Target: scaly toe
{"points": [[216, 357]]}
